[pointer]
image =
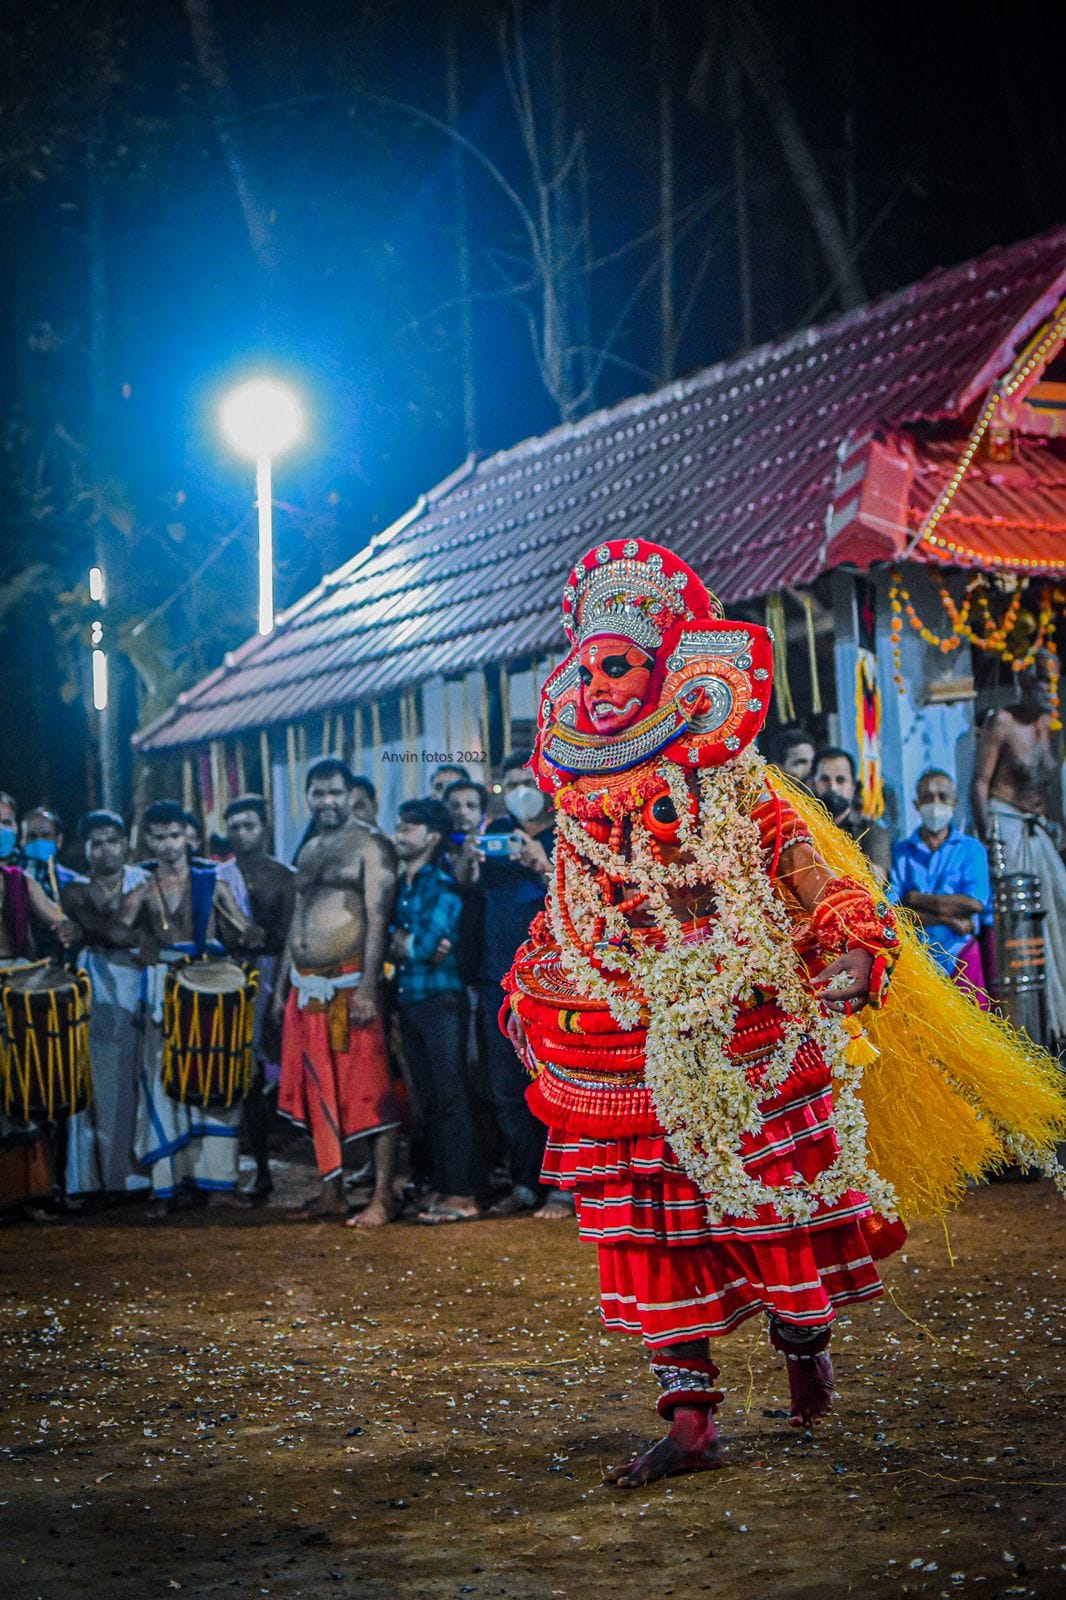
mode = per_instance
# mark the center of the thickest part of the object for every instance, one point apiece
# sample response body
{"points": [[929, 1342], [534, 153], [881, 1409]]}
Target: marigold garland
{"points": [[991, 637]]}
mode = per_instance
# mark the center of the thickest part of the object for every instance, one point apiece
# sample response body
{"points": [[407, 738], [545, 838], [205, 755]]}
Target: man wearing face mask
{"points": [[942, 876], [42, 840], [27, 915], [836, 784], [512, 868], [9, 829]]}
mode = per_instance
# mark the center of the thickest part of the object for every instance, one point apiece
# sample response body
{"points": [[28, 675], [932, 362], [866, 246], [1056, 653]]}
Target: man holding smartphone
{"points": [[510, 862]]}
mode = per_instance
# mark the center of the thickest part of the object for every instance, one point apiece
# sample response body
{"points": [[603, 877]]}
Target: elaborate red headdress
{"points": [[708, 693]]}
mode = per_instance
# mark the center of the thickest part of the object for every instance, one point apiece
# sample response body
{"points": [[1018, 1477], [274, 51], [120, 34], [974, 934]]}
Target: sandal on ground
{"points": [[514, 1204], [445, 1214]]}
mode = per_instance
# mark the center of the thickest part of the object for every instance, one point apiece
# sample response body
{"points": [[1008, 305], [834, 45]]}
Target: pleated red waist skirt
{"points": [[667, 1273]]}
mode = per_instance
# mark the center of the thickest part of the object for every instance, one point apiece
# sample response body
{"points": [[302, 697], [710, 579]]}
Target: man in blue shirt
{"points": [[433, 1005], [942, 875]]}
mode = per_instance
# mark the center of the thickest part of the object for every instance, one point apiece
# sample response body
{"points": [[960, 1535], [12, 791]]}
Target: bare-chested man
{"points": [[179, 907], [335, 1078], [1016, 788]]}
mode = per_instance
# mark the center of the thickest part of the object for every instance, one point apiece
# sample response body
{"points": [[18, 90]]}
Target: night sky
{"points": [[135, 283]]}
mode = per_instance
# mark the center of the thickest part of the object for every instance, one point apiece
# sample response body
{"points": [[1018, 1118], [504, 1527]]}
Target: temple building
{"points": [[887, 490]]}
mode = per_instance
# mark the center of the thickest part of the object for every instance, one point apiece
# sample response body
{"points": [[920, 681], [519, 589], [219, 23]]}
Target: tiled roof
{"points": [[1010, 515], [733, 468]]}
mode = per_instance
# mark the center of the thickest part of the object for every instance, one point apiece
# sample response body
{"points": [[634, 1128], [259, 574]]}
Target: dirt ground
{"points": [[248, 1405]]}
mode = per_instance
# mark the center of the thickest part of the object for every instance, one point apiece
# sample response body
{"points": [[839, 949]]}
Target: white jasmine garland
{"points": [[691, 989]]}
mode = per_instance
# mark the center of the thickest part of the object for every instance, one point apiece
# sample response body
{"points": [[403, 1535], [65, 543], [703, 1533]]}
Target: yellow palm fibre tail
{"points": [[955, 1092]]}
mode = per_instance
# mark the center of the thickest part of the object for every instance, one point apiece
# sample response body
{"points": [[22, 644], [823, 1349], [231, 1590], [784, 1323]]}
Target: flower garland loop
{"points": [[690, 988], [991, 637]]}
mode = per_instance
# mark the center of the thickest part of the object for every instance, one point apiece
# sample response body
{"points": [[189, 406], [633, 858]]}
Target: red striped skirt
{"points": [[667, 1274]]}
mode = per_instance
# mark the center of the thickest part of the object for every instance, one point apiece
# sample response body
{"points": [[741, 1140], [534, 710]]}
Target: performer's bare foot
{"points": [[559, 1207], [375, 1215], [692, 1445], [810, 1387]]}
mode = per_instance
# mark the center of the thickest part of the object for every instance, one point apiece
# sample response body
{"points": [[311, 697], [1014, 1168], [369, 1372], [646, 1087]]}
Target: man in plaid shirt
{"points": [[433, 1006]]}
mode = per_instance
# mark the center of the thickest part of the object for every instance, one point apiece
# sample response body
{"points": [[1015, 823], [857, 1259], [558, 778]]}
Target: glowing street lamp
{"points": [[262, 419]]}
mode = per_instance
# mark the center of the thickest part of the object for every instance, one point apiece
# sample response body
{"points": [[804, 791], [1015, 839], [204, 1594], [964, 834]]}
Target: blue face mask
{"points": [[8, 841], [39, 849]]}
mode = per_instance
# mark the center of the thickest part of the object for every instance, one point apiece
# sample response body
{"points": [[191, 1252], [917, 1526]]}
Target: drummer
{"points": [[42, 840], [26, 1161], [183, 909], [100, 1157], [265, 890]]}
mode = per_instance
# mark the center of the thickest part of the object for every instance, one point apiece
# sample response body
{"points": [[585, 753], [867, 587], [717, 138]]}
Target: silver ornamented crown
{"points": [[628, 621], [616, 599]]}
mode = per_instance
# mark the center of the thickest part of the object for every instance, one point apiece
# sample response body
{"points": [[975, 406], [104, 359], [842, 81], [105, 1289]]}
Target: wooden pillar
{"points": [[294, 785], [505, 706], [266, 774]]}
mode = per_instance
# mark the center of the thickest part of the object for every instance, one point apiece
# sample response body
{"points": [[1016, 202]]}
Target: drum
{"points": [[208, 1013], [44, 1042]]}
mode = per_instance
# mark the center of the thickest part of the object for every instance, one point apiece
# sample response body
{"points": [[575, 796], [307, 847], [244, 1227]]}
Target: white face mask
{"points": [[525, 802], [936, 815]]}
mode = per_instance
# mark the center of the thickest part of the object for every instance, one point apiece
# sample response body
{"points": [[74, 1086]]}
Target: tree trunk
{"points": [[462, 238], [754, 51], [211, 60], [740, 179], [107, 557], [667, 320]]}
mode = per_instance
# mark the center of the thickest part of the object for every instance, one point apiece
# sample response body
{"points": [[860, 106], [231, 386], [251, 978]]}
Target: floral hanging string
{"points": [[991, 638]]}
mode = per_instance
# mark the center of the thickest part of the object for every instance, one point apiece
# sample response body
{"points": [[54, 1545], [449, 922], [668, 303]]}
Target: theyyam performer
{"points": [[745, 1129]]}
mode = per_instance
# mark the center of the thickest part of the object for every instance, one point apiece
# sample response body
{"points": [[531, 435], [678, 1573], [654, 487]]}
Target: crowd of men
{"points": [[940, 872], [380, 958]]}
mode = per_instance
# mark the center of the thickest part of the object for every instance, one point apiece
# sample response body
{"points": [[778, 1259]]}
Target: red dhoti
{"points": [[335, 1080]]}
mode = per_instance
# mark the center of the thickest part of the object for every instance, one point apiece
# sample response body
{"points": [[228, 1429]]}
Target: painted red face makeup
{"points": [[615, 676]]}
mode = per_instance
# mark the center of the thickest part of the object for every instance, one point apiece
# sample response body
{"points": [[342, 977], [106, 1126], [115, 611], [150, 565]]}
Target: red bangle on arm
{"points": [[847, 917]]}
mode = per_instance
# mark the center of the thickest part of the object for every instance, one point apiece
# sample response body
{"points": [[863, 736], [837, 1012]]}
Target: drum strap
{"points": [[202, 886]]}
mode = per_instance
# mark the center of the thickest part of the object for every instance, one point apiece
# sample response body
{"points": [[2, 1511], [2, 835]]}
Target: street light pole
{"points": [[265, 502], [261, 419], [101, 691]]}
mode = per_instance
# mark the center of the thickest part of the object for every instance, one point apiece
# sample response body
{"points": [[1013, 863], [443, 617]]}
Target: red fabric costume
{"points": [[658, 703], [335, 1080]]}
